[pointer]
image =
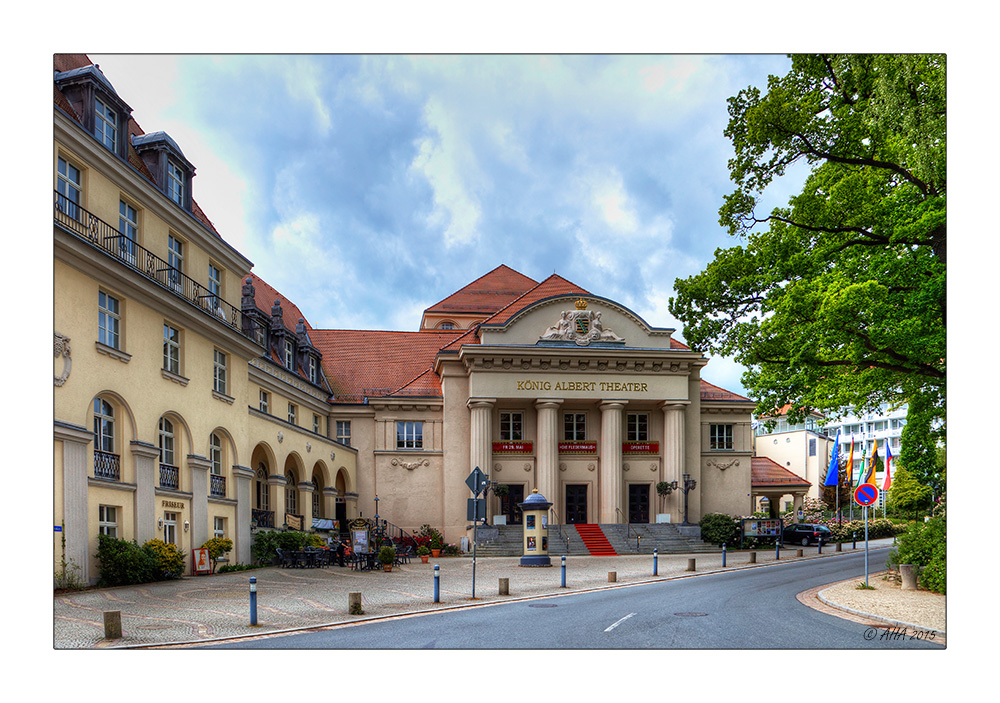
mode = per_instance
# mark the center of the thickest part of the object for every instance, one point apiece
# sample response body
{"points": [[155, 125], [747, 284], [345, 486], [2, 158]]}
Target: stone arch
{"points": [[263, 502], [343, 482], [320, 478], [233, 458], [181, 445], [293, 472], [121, 404], [222, 485]]}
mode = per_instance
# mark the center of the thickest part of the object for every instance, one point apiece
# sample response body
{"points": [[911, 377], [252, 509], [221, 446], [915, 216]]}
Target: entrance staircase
{"points": [[568, 540], [597, 544]]}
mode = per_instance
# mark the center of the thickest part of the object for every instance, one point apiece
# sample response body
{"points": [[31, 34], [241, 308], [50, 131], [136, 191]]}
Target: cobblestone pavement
{"points": [[204, 608]]}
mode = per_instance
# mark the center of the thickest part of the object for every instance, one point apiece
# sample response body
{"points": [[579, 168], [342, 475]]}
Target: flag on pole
{"points": [[833, 473], [870, 473], [864, 463], [887, 481], [850, 467]]}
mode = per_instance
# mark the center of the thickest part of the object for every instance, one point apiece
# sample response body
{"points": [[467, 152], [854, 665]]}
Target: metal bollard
{"points": [[820, 545], [854, 540], [777, 550], [655, 556], [563, 584], [253, 600], [723, 555], [437, 583]]}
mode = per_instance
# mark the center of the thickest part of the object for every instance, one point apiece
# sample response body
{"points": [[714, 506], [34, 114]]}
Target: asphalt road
{"points": [[746, 609]]}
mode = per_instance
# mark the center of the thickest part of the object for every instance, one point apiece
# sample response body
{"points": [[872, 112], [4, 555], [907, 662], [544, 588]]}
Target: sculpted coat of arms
{"points": [[580, 326]]}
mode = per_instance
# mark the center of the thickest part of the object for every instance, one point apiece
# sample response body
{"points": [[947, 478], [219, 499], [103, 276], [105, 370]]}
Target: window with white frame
{"points": [[215, 453], [317, 500], [219, 372], [511, 426], [104, 426], [637, 427], [69, 188], [171, 349], [175, 260], [313, 370], [291, 493], [166, 435], [409, 435], [219, 527], [291, 412], [105, 125], [214, 286], [175, 183], [344, 432], [265, 400], [108, 320], [574, 426], [289, 355], [315, 423], [128, 228], [170, 528], [720, 437], [107, 520]]}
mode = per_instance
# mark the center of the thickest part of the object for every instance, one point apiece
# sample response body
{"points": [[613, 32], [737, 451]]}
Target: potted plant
{"points": [[436, 545], [387, 555], [424, 553], [663, 489]]}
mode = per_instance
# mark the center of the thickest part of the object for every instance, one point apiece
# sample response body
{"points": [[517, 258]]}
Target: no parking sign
{"points": [[865, 494]]}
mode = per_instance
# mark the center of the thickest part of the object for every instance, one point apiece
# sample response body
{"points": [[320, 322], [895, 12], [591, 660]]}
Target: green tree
{"points": [[906, 494], [837, 299]]}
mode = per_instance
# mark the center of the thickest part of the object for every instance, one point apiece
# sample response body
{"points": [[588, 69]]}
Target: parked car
{"points": [[805, 534]]}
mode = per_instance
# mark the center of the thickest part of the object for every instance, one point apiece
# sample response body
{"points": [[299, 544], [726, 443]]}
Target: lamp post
{"points": [[689, 485]]}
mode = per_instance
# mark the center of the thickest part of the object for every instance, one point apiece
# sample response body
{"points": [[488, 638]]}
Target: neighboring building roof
{"points": [[487, 294], [710, 391], [766, 473]]}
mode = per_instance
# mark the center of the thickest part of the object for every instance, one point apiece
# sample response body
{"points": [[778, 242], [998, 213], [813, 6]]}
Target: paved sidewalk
{"points": [[205, 608]]}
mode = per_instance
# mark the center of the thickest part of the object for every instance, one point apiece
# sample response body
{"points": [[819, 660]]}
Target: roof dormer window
{"points": [[175, 183], [105, 125], [171, 171]]}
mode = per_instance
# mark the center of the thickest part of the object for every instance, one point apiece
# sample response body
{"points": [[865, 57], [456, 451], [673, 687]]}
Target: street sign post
{"points": [[477, 483], [865, 495]]}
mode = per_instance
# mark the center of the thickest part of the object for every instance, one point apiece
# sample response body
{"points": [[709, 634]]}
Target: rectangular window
{"points": [[721, 437], [637, 427], [108, 520], [812, 447], [575, 426], [175, 183], [68, 187], [106, 125], [108, 320], [313, 370], [175, 260], [409, 435], [264, 401], [344, 432], [128, 228], [171, 349], [291, 413], [104, 426], [214, 286], [289, 355], [170, 528], [315, 423], [219, 527], [511, 427], [220, 372]]}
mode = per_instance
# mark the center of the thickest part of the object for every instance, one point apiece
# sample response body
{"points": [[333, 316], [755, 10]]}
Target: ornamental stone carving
{"points": [[281, 437], [721, 466], [410, 465], [581, 327], [62, 349]]}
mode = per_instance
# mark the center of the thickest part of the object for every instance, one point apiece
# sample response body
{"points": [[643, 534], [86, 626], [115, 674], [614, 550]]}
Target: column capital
{"points": [[551, 403], [198, 462], [613, 404], [144, 449], [674, 405], [482, 402]]}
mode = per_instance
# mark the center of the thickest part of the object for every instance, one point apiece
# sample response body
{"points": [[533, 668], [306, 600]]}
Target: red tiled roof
{"points": [[264, 297], [766, 473], [487, 294], [373, 363], [710, 391], [67, 62]]}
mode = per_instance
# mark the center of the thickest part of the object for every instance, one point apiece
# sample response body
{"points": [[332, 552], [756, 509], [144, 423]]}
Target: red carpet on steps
{"points": [[595, 540]]}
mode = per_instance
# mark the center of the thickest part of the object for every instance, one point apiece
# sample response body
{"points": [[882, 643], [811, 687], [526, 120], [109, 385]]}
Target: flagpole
{"points": [[865, 509]]}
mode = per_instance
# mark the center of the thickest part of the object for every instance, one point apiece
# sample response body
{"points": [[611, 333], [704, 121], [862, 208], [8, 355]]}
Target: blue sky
{"points": [[367, 188]]}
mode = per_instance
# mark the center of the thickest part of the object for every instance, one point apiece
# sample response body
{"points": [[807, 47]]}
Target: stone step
{"points": [[564, 540]]}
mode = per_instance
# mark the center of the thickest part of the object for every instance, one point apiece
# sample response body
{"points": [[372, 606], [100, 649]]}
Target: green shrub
{"points": [[718, 528], [225, 568], [124, 562], [924, 544], [266, 543], [387, 555], [168, 558]]}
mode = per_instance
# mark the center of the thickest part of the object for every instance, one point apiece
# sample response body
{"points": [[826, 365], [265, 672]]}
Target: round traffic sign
{"points": [[865, 494]]}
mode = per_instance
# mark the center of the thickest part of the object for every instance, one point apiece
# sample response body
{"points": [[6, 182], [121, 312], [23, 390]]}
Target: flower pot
{"points": [[424, 558], [435, 553], [387, 567]]}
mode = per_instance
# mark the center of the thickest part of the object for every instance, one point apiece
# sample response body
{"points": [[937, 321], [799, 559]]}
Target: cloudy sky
{"points": [[368, 187]]}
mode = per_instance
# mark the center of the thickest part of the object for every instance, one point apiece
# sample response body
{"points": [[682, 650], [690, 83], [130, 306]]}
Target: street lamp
{"points": [[689, 485]]}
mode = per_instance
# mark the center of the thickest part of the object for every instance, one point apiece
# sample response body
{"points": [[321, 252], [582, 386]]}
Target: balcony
{"points": [[218, 486], [107, 466], [169, 477], [98, 233], [262, 518]]}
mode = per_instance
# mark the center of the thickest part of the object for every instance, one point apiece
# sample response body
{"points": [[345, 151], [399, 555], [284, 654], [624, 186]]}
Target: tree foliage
{"points": [[838, 298]]}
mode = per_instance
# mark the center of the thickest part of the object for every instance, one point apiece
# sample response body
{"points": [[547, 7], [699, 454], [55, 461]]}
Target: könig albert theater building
{"points": [[194, 400]]}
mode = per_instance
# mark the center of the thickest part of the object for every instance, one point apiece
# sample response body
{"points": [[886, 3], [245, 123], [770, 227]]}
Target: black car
{"points": [[805, 534]]}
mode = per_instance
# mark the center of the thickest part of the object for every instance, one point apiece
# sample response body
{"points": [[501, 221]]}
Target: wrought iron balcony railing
{"points": [[169, 476], [263, 518], [107, 466], [108, 239], [218, 487]]}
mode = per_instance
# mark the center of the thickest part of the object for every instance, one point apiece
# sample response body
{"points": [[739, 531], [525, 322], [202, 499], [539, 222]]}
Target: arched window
{"points": [[291, 493], [104, 426], [317, 500], [262, 499], [167, 442], [217, 482]]}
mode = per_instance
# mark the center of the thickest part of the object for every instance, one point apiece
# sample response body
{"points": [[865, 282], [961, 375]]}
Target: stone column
{"points": [[75, 453], [200, 467], [306, 490], [146, 458], [610, 487], [547, 451], [481, 433], [242, 539], [276, 489], [329, 503], [674, 452]]}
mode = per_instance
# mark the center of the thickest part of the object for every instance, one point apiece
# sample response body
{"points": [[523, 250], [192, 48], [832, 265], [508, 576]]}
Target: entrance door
{"points": [[510, 502], [638, 502], [576, 504]]}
